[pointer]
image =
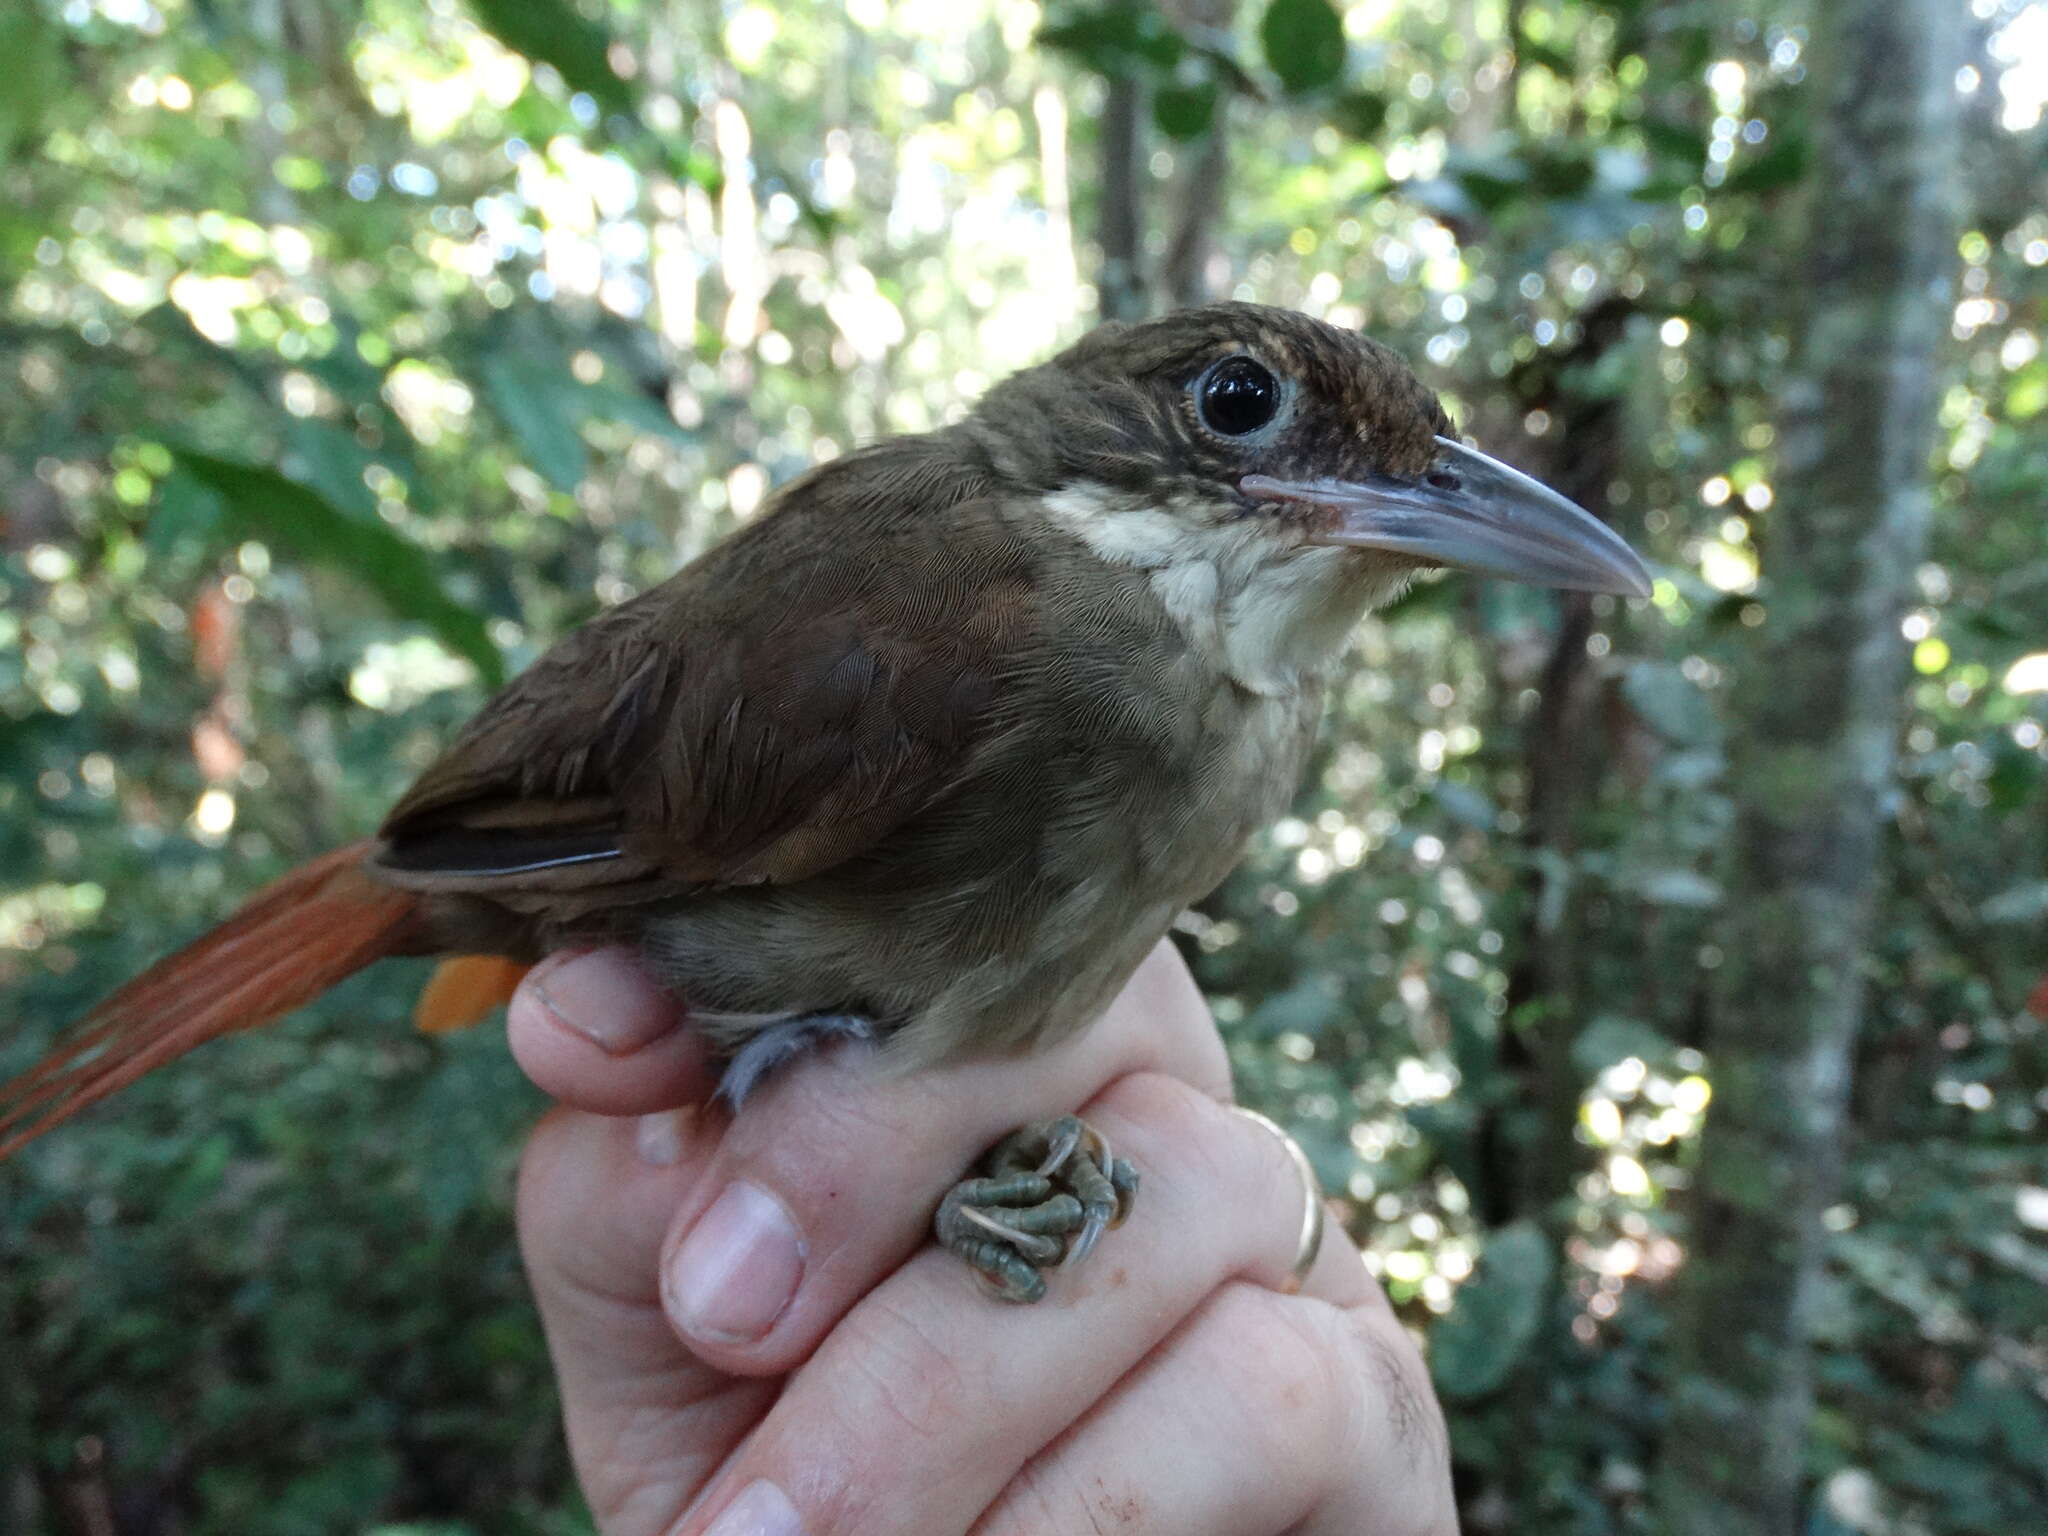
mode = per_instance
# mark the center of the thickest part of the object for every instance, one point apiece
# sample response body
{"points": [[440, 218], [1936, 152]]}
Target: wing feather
{"points": [[772, 710]]}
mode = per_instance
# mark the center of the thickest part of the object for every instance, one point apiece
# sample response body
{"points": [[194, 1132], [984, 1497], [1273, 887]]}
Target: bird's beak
{"points": [[1472, 512]]}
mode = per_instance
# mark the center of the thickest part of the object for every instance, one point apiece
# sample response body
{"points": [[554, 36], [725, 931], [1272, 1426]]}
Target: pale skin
{"points": [[805, 1361]]}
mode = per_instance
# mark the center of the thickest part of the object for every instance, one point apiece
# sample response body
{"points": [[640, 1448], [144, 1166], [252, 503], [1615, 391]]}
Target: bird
{"points": [[930, 753]]}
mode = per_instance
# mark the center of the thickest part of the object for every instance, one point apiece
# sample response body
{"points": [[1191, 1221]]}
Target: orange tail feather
{"points": [[286, 945], [463, 989]]}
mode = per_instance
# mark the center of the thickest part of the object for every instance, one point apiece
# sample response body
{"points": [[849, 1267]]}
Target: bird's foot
{"points": [[1043, 1196], [771, 1040]]}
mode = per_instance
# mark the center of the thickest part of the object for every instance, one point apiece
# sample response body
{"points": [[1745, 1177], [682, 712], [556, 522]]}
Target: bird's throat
{"points": [[1269, 613]]}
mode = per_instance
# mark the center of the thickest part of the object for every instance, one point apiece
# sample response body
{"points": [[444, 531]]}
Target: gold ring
{"points": [[1312, 1201]]}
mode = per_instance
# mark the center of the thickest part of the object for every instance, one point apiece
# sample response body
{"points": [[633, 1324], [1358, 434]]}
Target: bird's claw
{"points": [[1043, 1198]]}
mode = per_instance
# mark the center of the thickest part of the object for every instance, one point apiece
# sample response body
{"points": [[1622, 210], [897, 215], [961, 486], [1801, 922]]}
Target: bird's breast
{"points": [[1119, 773]]}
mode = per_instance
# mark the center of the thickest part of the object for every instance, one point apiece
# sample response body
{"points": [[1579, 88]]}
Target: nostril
{"points": [[1443, 480]]}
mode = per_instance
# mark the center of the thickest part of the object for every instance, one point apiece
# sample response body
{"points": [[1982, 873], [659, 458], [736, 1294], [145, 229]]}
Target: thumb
{"points": [[594, 1030]]}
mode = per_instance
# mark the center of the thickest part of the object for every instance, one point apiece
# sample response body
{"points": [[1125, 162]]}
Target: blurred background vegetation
{"points": [[353, 349]]}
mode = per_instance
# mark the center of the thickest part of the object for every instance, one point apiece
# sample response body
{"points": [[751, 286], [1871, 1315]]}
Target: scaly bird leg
{"points": [[1044, 1196]]}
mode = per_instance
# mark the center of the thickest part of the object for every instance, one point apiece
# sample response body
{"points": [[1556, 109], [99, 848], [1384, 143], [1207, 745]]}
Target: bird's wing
{"points": [[770, 711]]}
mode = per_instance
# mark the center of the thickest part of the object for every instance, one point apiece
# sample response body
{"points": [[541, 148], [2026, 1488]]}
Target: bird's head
{"points": [[1301, 470]]}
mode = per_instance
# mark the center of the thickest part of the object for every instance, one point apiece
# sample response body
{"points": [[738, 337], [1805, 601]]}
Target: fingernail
{"points": [[735, 1273], [658, 1138], [604, 997], [762, 1509]]}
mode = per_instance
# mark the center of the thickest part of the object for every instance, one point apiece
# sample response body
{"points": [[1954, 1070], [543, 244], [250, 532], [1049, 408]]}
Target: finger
{"points": [[594, 1031], [929, 1384], [646, 1422], [828, 1178], [1395, 1438], [1336, 1273], [1262, 1413]]}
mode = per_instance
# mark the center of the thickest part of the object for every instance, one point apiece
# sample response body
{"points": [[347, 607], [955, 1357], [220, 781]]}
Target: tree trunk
{"points": [[1120, 285], [1817, 704], [1188, 272], [1188, 268]]}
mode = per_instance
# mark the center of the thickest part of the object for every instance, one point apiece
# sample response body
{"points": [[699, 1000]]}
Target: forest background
{"points": [[1661, 985]]}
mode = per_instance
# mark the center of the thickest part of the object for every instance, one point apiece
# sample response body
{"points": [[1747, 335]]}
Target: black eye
{"points": [[1237, 396]]}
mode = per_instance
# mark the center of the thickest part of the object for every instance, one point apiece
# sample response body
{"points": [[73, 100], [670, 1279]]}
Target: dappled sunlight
{"points": [[355, 353]]}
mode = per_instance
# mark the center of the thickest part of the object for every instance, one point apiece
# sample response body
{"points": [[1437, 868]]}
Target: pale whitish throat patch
{"points": [[1268, 609]]}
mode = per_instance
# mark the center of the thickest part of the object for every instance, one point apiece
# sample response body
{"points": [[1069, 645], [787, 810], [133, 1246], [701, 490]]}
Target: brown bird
{"points": [[933, 751]]}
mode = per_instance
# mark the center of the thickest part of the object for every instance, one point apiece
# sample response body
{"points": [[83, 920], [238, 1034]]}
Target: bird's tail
{"points": [[286, 945]]}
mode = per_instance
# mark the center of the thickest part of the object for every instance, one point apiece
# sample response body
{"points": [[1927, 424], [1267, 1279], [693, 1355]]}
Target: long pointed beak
{"points": [[1475, 513]]}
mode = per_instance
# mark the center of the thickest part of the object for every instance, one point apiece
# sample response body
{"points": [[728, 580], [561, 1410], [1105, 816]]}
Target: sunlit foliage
{"points": [[353, 351]]}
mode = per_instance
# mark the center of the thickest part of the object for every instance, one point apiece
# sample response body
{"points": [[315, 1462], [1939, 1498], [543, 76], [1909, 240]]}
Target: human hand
{"points": [[754, 1337]]}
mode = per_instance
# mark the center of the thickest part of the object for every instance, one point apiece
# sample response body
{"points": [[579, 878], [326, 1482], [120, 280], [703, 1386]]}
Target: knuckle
{"points": [[1202, 1058], [815, 1106], [1325, 1396], [1270, 1170], [1181, 1119], [800, 1137], [1287, 1376], [893, 1382], [1397, 1404]]}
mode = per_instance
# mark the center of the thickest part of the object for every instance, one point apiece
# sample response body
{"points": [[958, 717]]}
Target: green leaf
{"points": [[1669, 702], [37, 74], [188, 512], [532, 397], [1185, 111], [2027, 395], [1121, 39], [2016, 776], [1303, 41], [1674, 141], [466, 1099], [1546, 56], [606, 401], [259, 503], [1308, 1007], [552, 32], [545, 406], [1560, 173], [1906, 1280], [1463, 803], [1492, 181], [1476, 1346], [1778, 167], [333, 463], [1359, 113], [337, 1487], [1692, 47]]}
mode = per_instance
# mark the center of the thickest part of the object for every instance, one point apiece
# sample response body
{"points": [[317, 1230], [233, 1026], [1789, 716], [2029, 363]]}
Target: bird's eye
{"points": [[1237, 396]]}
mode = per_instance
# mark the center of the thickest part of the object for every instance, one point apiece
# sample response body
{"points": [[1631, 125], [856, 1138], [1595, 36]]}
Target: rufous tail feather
{"points": [[463, 989], [287, 944]]}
